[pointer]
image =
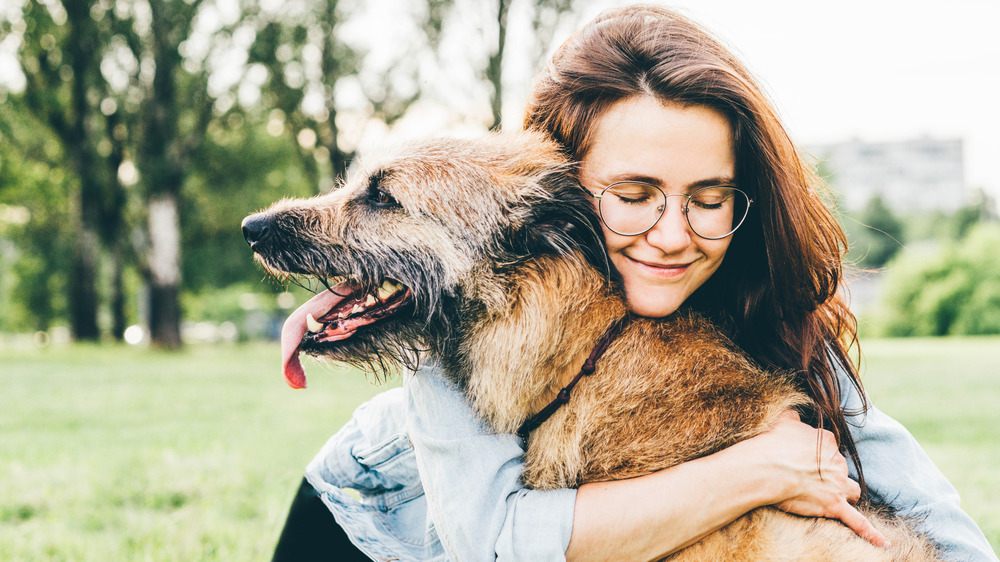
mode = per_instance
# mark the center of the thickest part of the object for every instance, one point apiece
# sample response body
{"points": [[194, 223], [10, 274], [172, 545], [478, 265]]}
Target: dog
{"points": [[487, 254]]}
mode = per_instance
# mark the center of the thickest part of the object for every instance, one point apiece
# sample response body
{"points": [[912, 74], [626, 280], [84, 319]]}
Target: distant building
{"points": [[915, 175]]}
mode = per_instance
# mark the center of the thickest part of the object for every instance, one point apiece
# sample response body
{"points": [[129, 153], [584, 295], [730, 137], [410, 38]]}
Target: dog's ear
{"points": [[562, 221]]}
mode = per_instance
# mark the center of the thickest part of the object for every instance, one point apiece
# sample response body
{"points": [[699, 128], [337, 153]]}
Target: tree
{"points": [[882, 234], [952, 288], [36, 248], [309, 61], [494, 66], [260, 169], [130, 92], [162, 156], [545, 18], [60, 54], [165, 96]]}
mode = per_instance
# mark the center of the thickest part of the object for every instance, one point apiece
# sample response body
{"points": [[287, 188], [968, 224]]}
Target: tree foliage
{"points": [[876, 234], [35, 228], [207, 110], [318, 76], [945, 289], [260, 169], [60, 53]]}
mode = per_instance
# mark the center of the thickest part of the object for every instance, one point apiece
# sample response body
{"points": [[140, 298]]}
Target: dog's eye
{"points": [[382, 199], [378, 196]]}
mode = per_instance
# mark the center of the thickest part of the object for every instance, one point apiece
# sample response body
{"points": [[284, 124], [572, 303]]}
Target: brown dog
{"points": [[488, 254]]}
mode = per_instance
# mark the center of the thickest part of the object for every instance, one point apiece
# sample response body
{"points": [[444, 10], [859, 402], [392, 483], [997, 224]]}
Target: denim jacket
{"points": [[416, 475]]}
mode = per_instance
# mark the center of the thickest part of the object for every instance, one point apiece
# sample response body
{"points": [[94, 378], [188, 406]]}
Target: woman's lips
{"points": [[662, 270]]}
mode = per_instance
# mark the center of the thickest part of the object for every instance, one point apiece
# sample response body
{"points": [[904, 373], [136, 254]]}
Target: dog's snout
{"points": [[255, 228]]}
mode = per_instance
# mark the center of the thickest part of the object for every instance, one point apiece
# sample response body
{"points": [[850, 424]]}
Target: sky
{"points": [[877, 70]]}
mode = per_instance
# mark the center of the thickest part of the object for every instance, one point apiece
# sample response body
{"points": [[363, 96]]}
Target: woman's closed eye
{"points": [[712, 199], [632, 200]]}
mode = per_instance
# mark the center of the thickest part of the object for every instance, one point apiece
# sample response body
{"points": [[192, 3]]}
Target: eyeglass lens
{"points": [[633, 208]]}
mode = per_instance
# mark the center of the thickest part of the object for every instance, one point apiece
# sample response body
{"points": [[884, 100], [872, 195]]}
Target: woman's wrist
{"points": [[768, 481]]}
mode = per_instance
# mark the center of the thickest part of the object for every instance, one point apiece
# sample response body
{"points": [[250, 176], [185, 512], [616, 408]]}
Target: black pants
{"points": [[312, 534]]}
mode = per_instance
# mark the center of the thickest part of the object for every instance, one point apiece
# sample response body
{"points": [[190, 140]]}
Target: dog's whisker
{"points": [[298, 282], [326, 283]]}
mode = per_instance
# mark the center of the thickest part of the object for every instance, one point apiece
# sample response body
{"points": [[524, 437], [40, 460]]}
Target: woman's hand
{"points": [[814, 475]]}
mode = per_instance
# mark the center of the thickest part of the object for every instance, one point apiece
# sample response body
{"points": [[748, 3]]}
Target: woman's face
{"points": [[679, 149]]}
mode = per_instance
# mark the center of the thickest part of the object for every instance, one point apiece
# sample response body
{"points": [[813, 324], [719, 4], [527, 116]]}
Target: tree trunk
{"points": [[82, 152], [83, 286], [339, 159], [164, 171], [117, 299], [164, 272], [494, 69]]}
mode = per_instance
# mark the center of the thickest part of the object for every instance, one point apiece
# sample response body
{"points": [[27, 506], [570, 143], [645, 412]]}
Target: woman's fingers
{"points": [[860, 525], [853, 492]]}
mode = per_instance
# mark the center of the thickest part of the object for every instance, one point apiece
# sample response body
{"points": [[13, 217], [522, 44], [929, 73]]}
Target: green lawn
{"points": [[946, 391], [114, 453]]}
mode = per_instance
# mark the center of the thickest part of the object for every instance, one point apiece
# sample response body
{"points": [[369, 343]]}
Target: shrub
{"points": [[947, 289]]}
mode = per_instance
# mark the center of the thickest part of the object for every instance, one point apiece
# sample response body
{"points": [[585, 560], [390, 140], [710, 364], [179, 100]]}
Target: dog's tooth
{"points": [[370, 300], [344, 314], [313, 324], [356, 309], [384, 291]]}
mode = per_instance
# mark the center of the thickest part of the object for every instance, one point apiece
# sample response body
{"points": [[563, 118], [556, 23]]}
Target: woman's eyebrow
{"points": [[628, 176], [616, 178], [713, 182]]}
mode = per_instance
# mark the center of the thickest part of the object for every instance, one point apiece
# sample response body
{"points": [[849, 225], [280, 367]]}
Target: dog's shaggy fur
{"points": [[507, 283]]}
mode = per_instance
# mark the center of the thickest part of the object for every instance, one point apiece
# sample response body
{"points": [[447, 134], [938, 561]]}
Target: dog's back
{"points": [[673, 390], [666, 391]]}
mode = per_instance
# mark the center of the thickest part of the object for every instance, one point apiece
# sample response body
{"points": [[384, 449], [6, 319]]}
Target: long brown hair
{"points": [[777, 289]]}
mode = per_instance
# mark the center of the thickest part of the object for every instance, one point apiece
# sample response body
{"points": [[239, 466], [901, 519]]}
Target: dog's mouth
{"points": [[333, 316]]}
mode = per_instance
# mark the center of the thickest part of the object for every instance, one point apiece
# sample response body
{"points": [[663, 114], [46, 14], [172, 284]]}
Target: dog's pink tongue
{"points": [[295, 328]]}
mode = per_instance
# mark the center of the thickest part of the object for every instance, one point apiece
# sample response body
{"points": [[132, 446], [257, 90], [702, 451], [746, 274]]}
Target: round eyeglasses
{"points": [[631, 208]]}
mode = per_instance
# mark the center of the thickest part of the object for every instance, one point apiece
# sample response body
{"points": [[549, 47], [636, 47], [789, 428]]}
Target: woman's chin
{"points": [[653, 308]]}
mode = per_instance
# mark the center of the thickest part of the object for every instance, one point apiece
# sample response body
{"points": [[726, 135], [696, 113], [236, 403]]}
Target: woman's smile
{"points": [[664, 270]]}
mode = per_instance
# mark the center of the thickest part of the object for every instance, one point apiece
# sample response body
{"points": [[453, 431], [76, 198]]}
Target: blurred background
{"points": [[136, 136], [144, 415]]}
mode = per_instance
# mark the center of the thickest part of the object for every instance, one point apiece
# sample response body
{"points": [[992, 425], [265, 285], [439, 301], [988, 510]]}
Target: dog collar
{"points": [[588, 368]]}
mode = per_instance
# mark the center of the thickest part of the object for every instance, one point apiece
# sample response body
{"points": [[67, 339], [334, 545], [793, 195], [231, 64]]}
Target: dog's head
{"points": [[418, 239]]}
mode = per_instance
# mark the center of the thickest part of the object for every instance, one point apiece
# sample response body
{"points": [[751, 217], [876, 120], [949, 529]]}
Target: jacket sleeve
{"points": [[899, 473], [471, 478]]}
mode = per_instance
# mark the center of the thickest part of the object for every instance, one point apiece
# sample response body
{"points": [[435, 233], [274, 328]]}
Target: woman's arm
{"points": [[481, 510], [660, 513]]}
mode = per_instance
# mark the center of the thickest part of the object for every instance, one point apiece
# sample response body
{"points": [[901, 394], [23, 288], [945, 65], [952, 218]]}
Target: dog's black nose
{"points": [[255, 228]]}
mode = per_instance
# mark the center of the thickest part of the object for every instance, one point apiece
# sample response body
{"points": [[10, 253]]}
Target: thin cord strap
{"points": [[589, 366]]}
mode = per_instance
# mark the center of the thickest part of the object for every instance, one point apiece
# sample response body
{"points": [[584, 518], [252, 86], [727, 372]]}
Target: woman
{"points": [[643, 95]]}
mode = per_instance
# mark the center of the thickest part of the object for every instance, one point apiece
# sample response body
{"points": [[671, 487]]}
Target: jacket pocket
{"points": [[385, 452], [391, 462]]}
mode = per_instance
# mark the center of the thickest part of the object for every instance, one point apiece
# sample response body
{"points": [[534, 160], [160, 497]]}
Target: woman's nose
{"points": [[671, 234]]}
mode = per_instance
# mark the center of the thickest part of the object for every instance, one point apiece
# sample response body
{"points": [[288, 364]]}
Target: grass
{"points": [[115, 453], [946, 391]]}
